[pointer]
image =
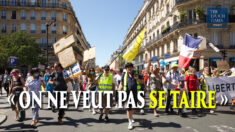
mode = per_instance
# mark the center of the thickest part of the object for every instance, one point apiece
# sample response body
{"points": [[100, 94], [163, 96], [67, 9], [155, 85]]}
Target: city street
{"points": [[83, 120]]}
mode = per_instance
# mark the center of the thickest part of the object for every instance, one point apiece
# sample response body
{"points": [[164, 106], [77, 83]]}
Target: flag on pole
{"points": [[132, 53], [188, 47]]}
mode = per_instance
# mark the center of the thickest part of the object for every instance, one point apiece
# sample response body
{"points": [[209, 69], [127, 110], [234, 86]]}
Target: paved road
{"points": [[82, 120]]}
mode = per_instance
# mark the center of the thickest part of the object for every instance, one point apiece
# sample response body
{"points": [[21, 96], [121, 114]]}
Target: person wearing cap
{"points": [[130, 82], [33, 84], [106, 83], [16, 87], [172, 82]]}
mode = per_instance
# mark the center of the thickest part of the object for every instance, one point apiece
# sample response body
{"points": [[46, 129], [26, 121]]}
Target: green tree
{"points": [[21, 45]]}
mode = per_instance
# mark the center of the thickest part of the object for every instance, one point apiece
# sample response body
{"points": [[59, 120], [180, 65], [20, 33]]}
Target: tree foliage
{"points": [[22, 46]]}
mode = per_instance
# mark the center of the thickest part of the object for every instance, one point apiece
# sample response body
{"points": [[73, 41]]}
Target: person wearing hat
{"points": [[172, 82], [106, 83], [130, 82], [33, 84]]}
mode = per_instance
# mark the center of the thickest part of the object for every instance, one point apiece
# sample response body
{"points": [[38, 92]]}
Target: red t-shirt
{"points": [[146, 77], [192, 82]]}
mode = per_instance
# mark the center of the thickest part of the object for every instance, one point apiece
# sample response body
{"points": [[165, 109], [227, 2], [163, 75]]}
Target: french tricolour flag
{"points": [[186, 52]]}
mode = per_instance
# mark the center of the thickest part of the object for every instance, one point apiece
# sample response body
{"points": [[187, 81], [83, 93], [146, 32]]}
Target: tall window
{"points": [[216, 38], [43, 16], [43, 28], [13, 28], [4, 2], [33, 2], [23, 27], [232, 39], [4, 28], [53, 16], [64, 5], [23, 15], [43, 3], [53, 3], [64, 17], [33, 28], [43, 42], [23, 2], [13, 2], [3, 14], [13, 15], [64, 30], [53, 29], [33, 15], [53, 40]]}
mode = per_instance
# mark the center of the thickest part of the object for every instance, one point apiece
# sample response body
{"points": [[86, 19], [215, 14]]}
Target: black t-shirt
{"points": [[131, 82], [60, 84]]}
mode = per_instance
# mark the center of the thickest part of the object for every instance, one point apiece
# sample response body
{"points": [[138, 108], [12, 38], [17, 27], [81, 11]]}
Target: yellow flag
{"points": [[132, 53]]}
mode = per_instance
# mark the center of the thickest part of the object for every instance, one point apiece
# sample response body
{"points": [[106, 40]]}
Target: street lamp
{"points": [[47, 26]]}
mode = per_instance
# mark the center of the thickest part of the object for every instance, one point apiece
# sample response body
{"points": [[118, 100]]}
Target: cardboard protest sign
{"points": [[67, 57], [222, 65], [89, 54], [63, 43], [223, 86]]}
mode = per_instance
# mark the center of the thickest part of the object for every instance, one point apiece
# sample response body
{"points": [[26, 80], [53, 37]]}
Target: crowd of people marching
{"points": [[128, 78]]}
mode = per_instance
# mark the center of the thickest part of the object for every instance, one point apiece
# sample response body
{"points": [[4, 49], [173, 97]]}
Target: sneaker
{"points": [[130, 126], [101, 116], [141, 111], [133, 121], [93, 112], [212, 111], [106, 119]]}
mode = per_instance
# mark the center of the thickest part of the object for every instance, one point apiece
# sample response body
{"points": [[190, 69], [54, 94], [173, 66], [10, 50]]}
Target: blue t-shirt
{"points": [[46, 78], [5, 78]]}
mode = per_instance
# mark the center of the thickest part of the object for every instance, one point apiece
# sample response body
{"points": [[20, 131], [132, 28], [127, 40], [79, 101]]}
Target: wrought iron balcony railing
{"points": [[34, 4]]}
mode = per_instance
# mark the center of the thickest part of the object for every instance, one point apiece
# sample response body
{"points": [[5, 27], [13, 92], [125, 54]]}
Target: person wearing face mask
{"points": [[92, 83], [33, 84], [16, 87], [59, 84]]}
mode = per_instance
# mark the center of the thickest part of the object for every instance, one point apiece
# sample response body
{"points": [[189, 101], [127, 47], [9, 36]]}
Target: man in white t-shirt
{"points": [[117, 79]]}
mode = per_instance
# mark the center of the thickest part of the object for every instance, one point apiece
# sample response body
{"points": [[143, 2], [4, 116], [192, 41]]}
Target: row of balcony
{"points": [[178, 25], [34, 4]]}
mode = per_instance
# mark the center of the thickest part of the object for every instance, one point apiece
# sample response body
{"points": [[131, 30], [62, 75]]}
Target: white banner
{"points": [[224, 88]]}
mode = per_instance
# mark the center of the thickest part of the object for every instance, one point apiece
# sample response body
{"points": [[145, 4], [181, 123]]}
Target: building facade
{"points": [[32, 16], [167, 21]]}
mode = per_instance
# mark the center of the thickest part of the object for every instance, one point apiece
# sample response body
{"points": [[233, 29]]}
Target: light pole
{"points": [[47, 26]]}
